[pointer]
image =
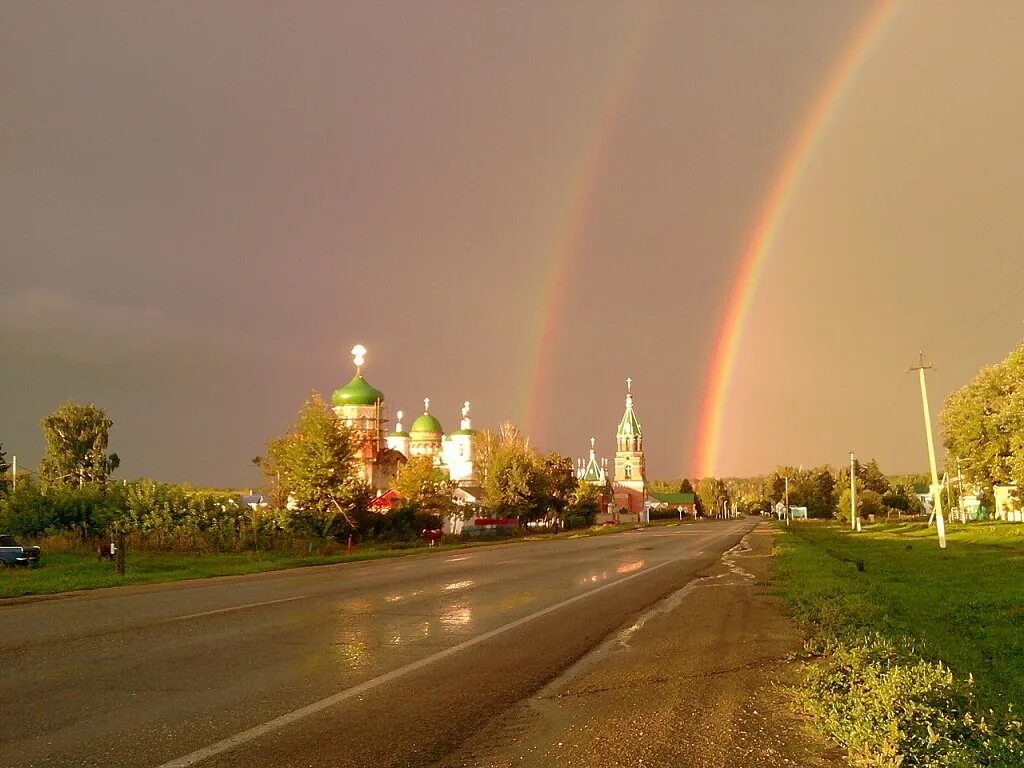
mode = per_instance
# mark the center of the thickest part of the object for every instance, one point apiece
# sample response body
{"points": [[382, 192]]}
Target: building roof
{"points": [[672, 498], [427, 423], [629, 425], [357, 392]]}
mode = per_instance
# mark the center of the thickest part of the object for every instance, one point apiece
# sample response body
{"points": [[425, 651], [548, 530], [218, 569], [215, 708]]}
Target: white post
{"points": [[787, 501], [14, 473], [853, 492], [940, 523], [960, 489]]}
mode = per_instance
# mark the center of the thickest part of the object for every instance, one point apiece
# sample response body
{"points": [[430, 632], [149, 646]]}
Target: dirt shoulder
{"points": [[699, 680]]}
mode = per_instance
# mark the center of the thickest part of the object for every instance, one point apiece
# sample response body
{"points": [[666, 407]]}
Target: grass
{"points": [[70, 571], [953, 618]]}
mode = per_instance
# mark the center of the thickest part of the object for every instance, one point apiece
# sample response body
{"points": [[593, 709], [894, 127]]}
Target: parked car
{"points": [[12, 553]]}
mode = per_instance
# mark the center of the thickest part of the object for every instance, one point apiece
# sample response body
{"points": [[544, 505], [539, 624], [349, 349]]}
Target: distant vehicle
{"points": [[12, 553]]}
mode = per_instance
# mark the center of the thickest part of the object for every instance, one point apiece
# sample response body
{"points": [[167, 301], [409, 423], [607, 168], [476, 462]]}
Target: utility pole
{"points": [[854, 517], [787, 501], [960, 489], [14, 474], [940, 523]]}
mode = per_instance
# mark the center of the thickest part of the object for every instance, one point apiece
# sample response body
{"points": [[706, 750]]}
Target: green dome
{"points": [[357, 392], [427, 423]]}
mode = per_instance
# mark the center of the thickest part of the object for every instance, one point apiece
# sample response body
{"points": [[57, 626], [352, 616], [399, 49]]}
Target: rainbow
{"points": [[570, 231], [770, 217]]}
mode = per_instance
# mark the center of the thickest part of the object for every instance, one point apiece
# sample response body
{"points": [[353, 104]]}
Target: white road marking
{"points": [[235, 608], [318, 706]]}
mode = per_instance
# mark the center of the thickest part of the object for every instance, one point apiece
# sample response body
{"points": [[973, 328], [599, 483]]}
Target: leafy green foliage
{"points": [[894, 684], [713, 493], [983, 424], [687, 487], [5, 469], [811, 488], [76, 446], [313, 468], [423, 485]]}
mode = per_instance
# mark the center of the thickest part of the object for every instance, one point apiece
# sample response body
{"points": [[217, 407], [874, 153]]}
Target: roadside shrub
{"points": [[573, 522], [891, 708], [666, 514]]}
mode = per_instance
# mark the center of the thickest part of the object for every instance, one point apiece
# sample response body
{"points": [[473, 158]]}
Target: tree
{"points": [[868, 503], [421, 483], [489, 443], [558, 485], [5, 468], [983, 424], [585, 506], [313, 469], [512, 482], [713, 494], [76, 446], [873, 477], [687, 487]]}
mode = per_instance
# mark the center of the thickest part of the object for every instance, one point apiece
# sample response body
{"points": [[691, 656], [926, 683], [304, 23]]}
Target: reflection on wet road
{"points": [[262, 646]]}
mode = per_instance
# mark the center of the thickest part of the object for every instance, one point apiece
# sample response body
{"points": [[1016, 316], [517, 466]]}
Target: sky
{"points": [[205, 205]]}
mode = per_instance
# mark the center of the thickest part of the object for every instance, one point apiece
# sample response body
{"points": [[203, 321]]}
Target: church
{"points": [[629, 483], [360, 406]]}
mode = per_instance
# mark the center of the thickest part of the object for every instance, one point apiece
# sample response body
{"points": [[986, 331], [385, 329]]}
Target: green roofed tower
{"points": [[630, 465]]}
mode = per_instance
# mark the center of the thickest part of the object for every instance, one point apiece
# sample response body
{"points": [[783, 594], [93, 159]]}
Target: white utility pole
{"points": [[940, 523], [854, 517], [960, 489], [787, 501], [14, 473]]}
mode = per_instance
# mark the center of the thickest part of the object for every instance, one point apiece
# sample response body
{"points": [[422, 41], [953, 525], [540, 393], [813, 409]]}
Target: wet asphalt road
{"points": [[386, 663]]}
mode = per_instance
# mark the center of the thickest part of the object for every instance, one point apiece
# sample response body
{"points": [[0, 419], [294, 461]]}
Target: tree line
{"points": [[983, 427], [823, 490]]}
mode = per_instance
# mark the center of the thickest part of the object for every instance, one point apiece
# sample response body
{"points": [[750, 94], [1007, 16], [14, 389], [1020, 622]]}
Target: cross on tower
{"points": [[426, 405], [629, 385]]}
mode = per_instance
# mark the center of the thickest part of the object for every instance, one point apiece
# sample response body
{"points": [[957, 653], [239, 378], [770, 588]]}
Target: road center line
{"points": [[318, 706], [235, 608]]}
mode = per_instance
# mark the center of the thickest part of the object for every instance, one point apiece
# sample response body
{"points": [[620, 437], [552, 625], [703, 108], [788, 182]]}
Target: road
{"points": [[385, 663]]}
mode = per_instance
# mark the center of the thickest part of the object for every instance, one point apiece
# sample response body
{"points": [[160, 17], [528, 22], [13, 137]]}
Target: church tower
{"points": [[630, 484]]}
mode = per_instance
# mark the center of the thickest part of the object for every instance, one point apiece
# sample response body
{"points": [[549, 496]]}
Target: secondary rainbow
{"points": [[762, 237], [571, 223]]}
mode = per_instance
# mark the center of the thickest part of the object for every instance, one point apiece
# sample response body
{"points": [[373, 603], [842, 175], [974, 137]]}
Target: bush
{"points": [[573, 522], [891, 708]]}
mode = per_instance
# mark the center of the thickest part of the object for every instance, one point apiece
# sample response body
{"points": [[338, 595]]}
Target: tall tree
{"points": [[490, 442], [687, 487], [713, 494], [873, 477], [5, 468], [512, 482], [76, 446], [423, 484], [313, 469], [983, 424]]}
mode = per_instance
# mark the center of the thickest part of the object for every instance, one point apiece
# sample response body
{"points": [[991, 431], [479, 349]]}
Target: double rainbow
{"points": [[571, 231]]}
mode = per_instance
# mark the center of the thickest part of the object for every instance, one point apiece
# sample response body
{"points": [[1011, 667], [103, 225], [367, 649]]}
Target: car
{"points": [[12, 553]]}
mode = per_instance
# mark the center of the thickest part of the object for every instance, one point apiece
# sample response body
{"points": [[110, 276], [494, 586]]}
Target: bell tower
{"points": [[630, 466]]}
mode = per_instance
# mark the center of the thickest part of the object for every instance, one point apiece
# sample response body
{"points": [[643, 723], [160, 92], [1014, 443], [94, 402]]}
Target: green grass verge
{"points": [[67, 572], [921, 653]]}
